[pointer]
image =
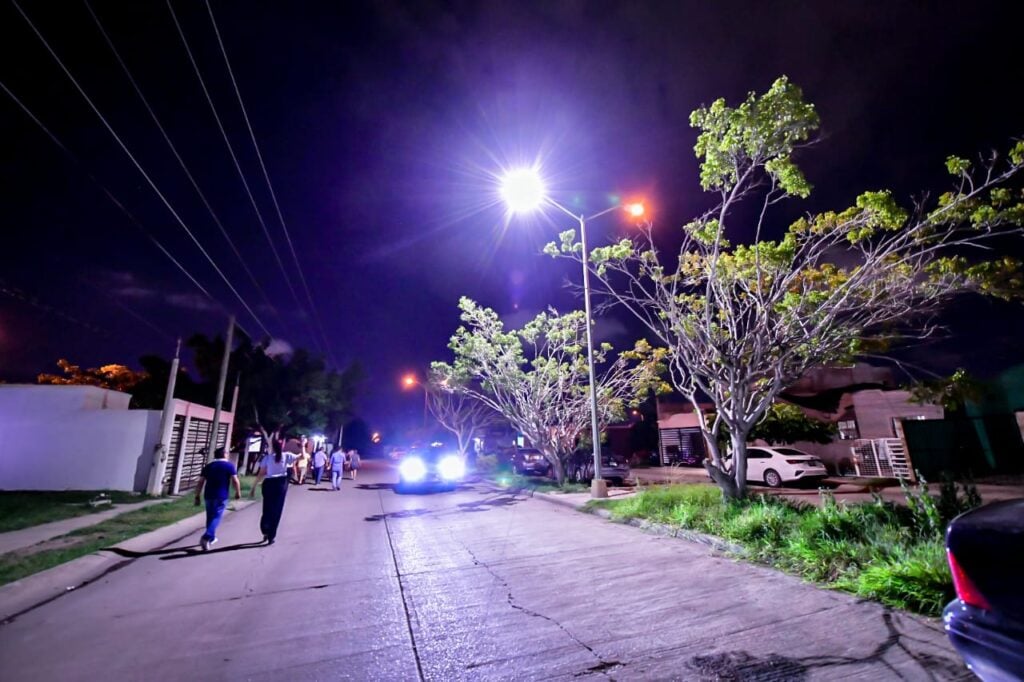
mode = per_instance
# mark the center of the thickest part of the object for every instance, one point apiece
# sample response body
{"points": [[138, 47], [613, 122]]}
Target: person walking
{"points": [[274, 475], [214, 485], [337, 465], [302, 462], [354, 462], [319, 462]]}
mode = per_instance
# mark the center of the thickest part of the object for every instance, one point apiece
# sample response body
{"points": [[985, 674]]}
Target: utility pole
{"points": [[220, 390], [156, 472]]}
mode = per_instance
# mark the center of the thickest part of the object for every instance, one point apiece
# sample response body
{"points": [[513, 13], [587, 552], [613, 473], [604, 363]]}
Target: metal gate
{"points": [[882, 458], [681, 446], [187, 456]]}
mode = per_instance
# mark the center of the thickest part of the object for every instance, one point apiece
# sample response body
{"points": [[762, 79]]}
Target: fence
{"points": [[882, 458]]}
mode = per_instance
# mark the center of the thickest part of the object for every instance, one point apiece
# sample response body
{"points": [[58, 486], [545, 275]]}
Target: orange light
{"points": [[409, 380], [636, 209]]}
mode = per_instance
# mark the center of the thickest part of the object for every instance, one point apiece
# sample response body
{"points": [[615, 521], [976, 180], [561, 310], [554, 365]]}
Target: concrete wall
{"points": [[74, 438]]}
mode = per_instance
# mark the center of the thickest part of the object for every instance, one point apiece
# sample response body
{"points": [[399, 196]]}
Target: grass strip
{"points": [[78, 543], [875, 550], [29, 508]]}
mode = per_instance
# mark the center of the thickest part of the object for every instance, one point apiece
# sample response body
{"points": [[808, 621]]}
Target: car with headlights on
{"points": [[985, 623], [530, 461], [433, 467]]}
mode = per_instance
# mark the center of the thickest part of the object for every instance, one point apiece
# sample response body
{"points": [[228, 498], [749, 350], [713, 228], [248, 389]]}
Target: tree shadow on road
{"points": [[742, 666], [401, 514], [492, 501]]}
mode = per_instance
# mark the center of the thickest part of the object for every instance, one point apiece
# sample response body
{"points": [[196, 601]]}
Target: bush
{"points": [[877, 550]]}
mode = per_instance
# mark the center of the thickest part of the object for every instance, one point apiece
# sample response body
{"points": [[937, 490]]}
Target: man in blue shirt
{"points": [[216, 478]]}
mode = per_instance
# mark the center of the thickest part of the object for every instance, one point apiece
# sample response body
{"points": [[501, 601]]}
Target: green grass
{"points": [[17, 565], [875, 550], [536, 483], [24, 509]]}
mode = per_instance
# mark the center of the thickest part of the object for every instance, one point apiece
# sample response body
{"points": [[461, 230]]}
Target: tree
{"points": [[537, 377], [742, 321], [113, 377], [458, 411], [786, 423], [279, 393]]}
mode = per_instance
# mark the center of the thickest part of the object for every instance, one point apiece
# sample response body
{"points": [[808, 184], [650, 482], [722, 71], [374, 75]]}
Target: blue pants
{"points": [[214, 512], [336, 476], [274, 490], [318, 473]]}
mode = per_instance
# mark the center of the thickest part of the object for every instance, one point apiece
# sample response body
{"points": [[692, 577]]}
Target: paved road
{"points": [[365, 584]]}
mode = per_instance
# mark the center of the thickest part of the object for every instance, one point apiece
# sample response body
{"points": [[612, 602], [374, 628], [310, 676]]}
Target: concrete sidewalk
{"points": [[14, 540], [40, 588]]}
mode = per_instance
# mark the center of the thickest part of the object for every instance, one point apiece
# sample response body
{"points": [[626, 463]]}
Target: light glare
{"points": [[523, 190], [412, 469], [636, 210]]}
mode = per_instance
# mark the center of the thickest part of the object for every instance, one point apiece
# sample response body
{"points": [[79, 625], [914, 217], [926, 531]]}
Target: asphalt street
{"points": [[477, 584]]}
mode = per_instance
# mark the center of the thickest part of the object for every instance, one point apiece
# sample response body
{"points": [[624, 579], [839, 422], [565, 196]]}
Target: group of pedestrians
{"points": [[276, 468]]}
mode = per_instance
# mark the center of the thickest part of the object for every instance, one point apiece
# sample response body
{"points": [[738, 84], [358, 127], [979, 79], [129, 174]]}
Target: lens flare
{"points": [[523, 190]]}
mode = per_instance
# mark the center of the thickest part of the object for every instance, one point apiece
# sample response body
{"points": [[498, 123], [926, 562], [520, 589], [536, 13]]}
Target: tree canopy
{"points": [[742, 321]]}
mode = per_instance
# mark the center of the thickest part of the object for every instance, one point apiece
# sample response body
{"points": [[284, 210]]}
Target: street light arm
{"points": [[575, 216]]}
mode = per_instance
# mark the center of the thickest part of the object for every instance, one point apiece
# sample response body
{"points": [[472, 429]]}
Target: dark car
{"points": [[580, 468], [985, 623], [530, 461], [430, 467]]}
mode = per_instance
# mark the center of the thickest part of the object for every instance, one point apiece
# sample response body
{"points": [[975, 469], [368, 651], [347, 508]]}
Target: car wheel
{"points": [[772, 479]]}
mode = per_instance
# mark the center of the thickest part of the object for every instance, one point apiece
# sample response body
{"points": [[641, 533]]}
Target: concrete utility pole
{"points": [[220, 390], [156, 472]]}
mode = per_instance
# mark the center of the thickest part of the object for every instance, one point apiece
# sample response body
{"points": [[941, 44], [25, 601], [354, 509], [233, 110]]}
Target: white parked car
{"points": [[774, 466]]}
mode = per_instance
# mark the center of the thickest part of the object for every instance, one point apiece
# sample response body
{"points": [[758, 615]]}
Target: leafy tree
{"points": [[279, 392], [951, 392], [786, 423], [113, 377], [742, 321], [537, 377], [458, 411]]}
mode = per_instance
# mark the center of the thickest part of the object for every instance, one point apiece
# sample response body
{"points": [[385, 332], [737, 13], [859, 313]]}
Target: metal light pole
{"points": [[154, 485], [220, 393], [523, 190]]}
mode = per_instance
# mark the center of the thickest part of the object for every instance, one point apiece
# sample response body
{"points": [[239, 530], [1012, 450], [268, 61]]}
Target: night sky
{"points": [[382, 126]]}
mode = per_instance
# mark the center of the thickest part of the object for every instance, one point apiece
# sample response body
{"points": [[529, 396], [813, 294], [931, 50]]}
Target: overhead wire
{"points": [[177, 156], [139, 167], [270, 186], [234, 158], [110, 195]]}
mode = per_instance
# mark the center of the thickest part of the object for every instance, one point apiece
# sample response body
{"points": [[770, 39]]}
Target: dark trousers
{"points": [[318, 473], [214, 512], [274, 490]]}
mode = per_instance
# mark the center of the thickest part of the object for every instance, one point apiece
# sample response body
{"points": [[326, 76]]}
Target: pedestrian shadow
{"points": [[375, 486], [178, 552], [403, 514], [740, 665]]}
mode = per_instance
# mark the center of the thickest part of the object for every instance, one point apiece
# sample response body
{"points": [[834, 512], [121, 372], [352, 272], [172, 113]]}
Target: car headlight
{"points": [[412, 469], [451, 467]]}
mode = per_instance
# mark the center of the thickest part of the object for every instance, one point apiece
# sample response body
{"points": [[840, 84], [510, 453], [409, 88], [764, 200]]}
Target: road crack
{"points": [[601, 666]]}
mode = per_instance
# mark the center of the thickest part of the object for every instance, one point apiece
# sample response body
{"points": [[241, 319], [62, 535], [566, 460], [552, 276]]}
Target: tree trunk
{"points": [[559, 468], [739, 461]]}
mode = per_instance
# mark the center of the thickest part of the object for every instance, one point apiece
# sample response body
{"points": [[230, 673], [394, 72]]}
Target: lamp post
{"points": [[523, 191], [410, 380]]}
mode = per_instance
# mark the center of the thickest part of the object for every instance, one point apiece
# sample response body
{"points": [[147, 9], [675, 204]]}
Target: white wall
{"points": [[63, 438]]}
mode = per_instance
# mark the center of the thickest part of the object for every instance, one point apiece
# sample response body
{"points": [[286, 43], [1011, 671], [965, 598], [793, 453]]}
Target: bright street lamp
{"points": [[523, 191], [410, 380]]}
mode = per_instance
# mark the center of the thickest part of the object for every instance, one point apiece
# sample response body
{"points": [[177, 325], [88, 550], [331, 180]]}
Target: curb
{"points": [[31, 592]]}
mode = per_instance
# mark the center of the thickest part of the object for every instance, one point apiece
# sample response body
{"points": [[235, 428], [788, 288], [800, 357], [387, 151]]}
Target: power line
{"points": [[113, 199], [177, 156], [273, 195], [234, 158], [138, 166]]}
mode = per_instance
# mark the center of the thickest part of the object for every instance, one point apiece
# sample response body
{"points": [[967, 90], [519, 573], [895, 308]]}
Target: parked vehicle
{"points": [[527, 461], [774, 466], [985, 623], [431, 467], [580, 468]]}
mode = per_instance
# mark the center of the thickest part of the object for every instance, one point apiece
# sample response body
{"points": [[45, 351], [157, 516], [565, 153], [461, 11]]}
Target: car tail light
{"points": [[797, 461], [965, 587]]}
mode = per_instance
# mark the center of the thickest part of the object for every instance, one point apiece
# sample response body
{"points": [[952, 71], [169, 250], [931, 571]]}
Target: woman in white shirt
{"points": [[274, 475]]}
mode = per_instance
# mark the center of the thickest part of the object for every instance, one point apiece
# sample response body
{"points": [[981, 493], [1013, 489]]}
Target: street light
{"points": [[410, 380], [523, 191]]}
